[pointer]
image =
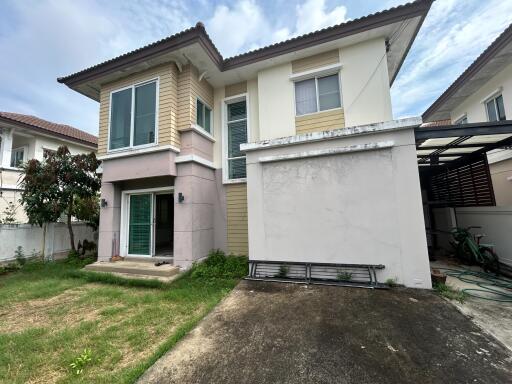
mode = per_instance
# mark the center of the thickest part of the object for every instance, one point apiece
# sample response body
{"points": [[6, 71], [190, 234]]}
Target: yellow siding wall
{"points": [[321, 121], [236, 206], [167, 133], [189, 88], [316, 61], [236, 89]]}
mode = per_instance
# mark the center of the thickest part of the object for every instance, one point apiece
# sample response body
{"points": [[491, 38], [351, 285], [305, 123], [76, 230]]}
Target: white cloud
{"points": [[454, 33], [245, 25]]}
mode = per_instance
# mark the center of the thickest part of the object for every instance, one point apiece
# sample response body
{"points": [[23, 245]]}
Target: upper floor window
{"points": [[495, 109], [203, 116], [317, 94], [133, 116], [236, 135], [17, 157], [462, 120]]}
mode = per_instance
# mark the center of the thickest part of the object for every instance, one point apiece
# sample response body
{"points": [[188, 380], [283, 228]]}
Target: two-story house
{"points": [[483, 92], [174, 114], [24, 137]]}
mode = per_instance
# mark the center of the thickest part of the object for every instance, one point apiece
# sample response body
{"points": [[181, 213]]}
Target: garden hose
{"points": [[488, 284]]}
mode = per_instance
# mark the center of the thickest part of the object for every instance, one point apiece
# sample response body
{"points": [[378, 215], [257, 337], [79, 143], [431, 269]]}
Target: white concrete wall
{"points": [[473, 106], [359, 206], [365, 83], [496, 223], [31, 239]]}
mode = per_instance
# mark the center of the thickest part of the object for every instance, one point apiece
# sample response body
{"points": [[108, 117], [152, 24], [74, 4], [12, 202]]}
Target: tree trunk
{"points": [[70, 227], [43, 248]]}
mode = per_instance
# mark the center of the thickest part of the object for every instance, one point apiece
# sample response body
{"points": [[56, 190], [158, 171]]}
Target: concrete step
{"points": [[134, 268]]}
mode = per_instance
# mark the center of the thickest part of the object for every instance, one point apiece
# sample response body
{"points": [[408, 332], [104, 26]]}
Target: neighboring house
{"points": [[173, 117], [483, 92], [24, 137]]}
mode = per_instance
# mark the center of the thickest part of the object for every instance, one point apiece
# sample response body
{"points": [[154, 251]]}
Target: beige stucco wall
{"points": [[501, 175], [365, 83], [276, 102], [358, 206]]}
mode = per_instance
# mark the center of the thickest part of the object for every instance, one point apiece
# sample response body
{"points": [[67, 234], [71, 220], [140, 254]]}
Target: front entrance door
{"points": [[164, 224], [140, 225]]}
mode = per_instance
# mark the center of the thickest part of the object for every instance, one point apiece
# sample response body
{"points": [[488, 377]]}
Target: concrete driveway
{"points": [[285, 333]]}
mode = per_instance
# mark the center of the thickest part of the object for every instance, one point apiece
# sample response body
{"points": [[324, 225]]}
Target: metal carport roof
{"points": [[454, 145], [452, 161]]}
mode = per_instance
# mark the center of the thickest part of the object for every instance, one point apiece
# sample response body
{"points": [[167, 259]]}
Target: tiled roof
{"points": [[52, 128], [198, 33], [437, 123]]}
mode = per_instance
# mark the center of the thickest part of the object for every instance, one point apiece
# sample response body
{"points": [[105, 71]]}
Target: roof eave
{"points": [[471, 71]]}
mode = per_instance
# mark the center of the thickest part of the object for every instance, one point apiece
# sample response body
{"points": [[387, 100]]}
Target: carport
{"points": [[454, 172]]}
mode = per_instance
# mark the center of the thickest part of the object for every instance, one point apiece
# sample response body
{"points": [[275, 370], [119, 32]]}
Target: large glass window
{"points": [[203, 116], [317, 94], [17, 156], [495, 109], [236, 135], [133, 116]]}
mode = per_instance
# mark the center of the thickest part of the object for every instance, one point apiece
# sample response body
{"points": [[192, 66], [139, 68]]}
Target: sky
{"points": [[41, 40]]}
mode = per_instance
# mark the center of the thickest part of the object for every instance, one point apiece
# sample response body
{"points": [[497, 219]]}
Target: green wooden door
{"points": [[139, 238]]}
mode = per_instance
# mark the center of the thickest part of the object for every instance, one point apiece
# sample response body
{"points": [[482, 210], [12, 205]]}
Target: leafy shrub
{"points": [[81, 361], [283, 271], [450, 293], [218, 265], [20, 256]]}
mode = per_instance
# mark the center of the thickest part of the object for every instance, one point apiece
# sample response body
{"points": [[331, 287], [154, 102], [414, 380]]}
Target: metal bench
{"points": [[349, 275]]}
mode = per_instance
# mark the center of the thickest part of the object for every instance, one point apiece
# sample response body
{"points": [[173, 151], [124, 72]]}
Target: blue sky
{"points": [[41, 40]]}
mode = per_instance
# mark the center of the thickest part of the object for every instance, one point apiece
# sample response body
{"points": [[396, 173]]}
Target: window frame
{"points": [[133, 86], [205, 105], [225, 150], [17, 149], [316, 76], [460, 119], [495, 104]]}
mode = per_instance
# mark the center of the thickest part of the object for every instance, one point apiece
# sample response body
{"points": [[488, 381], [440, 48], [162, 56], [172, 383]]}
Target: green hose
{"points": [[490, 285]]}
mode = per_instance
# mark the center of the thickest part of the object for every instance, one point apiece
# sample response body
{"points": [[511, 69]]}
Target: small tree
{"points": [[51, 188]]}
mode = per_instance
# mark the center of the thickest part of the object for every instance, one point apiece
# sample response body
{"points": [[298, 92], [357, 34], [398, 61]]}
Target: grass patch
{"points": [[108, 278], [444, 290], [50, 313]]}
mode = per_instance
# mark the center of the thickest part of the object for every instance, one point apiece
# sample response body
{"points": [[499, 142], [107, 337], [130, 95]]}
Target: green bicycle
{"points": [[469, 249]]}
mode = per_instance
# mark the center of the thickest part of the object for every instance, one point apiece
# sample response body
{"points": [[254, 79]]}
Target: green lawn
{"points": [[50, 313]]}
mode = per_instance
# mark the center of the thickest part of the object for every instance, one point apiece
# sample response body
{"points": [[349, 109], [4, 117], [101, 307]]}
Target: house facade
{"points": [[483, 93], [24, 137], [174, 116]]}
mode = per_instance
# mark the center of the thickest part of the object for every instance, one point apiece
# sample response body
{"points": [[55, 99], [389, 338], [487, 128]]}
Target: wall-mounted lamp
{"points": [[103, 203], [181, 198]]}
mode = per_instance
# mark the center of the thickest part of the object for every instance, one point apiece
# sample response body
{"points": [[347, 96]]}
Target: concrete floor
{"points": [[286, 333], [493, 317]]}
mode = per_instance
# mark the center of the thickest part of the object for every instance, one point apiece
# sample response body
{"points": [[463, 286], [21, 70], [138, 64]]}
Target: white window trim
{"points": [[225, 102], [317, 72], [211, 116], [25, 155], [125, 218], [316, 76], [492, 95], [464, 115], [132, 117]]}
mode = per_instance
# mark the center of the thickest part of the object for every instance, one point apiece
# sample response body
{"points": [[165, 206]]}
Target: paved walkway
{"points": [[285, 333]]}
